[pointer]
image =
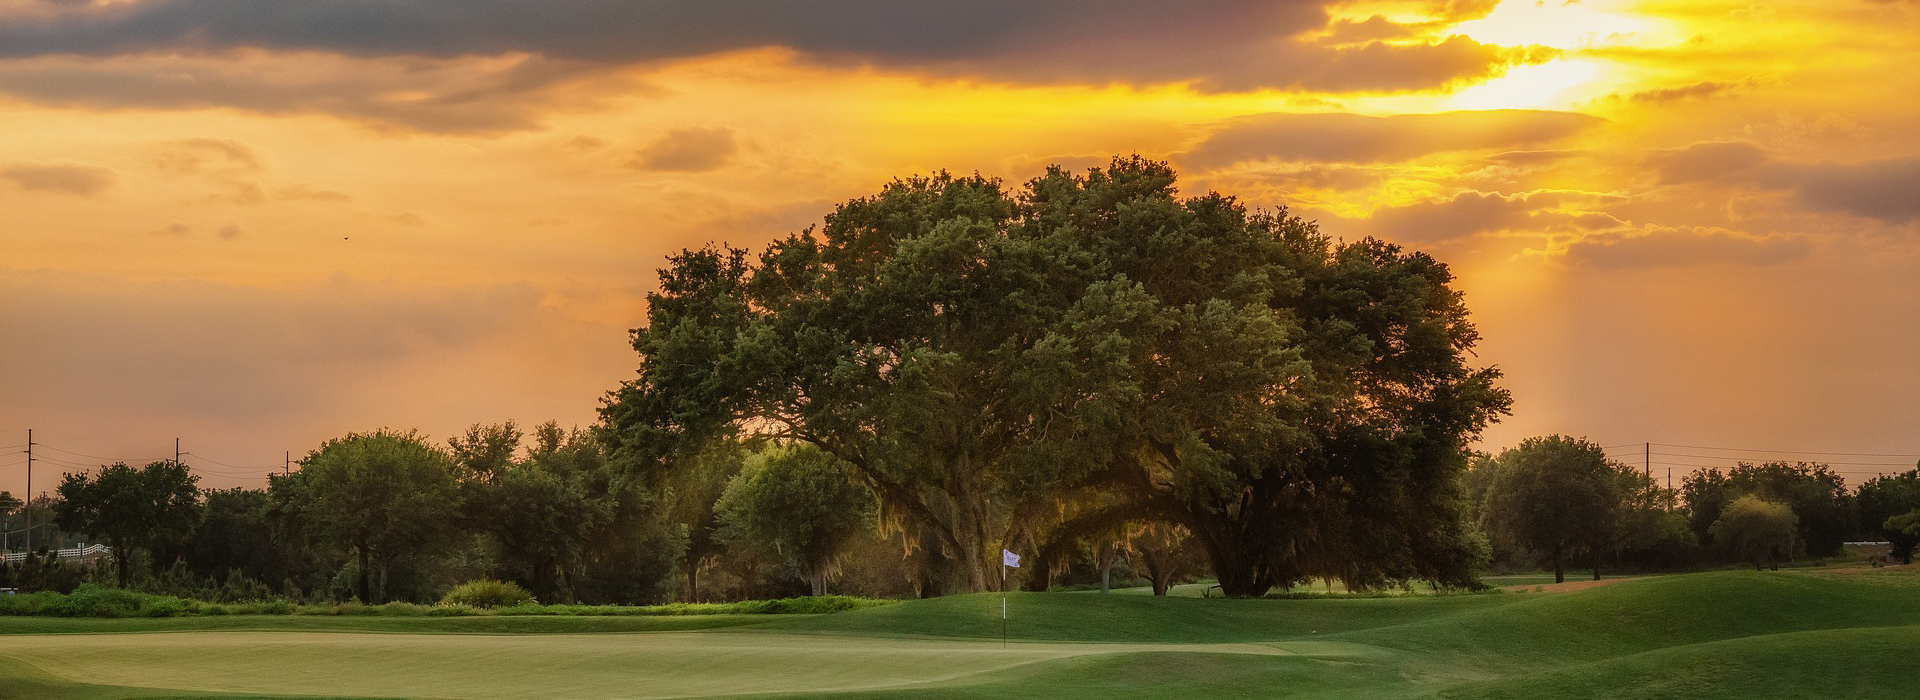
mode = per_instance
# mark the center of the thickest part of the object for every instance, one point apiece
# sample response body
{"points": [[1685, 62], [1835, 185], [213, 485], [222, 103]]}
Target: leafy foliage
{"points": [[981, 357], [1903, 533], [488, 594], [1556, 495], [800, 501], [1817, 495], [1756, 530], [131, 508], [1886, 497], [383, 495]]}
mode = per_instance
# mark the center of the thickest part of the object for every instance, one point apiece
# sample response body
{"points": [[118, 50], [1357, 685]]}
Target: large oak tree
{"points": [[981, 357]]}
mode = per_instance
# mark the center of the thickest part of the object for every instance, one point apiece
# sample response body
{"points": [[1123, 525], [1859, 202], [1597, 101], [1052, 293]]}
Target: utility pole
{"points": [[286, 462], [27, 506], [176, 450]]}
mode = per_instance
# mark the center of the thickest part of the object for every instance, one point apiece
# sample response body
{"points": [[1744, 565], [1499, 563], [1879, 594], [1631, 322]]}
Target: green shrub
{"points": [[399, 609], [90, 600], [488, 594], [265, 607], [167, 606]]}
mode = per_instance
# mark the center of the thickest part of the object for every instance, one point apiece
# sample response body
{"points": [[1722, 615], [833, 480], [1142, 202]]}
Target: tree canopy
{"points": [[1756, 530], [1884, 497], [130, 507], [382, 495], [1822, 506], [981, 356], [801, 502], [1558, 496]]}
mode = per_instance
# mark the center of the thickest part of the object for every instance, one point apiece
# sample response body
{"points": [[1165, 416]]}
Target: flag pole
{"points": [[1003, 602]]}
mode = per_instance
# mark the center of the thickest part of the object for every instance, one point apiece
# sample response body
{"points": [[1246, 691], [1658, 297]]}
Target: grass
{"points": [[1714, 635]]}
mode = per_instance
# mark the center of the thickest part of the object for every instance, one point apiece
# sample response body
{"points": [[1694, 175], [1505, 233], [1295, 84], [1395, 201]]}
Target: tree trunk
{"points": [[1559, 566], [121, 563], [1237, 573], [693, 582], [974, 557], [366, 570], [1162, 579], [1106, 568], [819, 581], [543, 577]]}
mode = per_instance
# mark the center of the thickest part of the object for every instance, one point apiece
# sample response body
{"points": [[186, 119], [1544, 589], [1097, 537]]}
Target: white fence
{"points": [[88, 552]]}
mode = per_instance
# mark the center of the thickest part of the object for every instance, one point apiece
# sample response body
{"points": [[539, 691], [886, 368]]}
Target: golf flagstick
{"points": [[1007, 559]]}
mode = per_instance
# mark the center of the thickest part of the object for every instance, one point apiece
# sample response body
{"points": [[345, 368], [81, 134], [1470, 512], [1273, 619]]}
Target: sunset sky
{"points": [[257, 224]]}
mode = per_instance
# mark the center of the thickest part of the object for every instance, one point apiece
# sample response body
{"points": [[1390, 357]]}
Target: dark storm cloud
{"points": [[1354, 138], [1219, 44], [64, 178], [696, 149]]}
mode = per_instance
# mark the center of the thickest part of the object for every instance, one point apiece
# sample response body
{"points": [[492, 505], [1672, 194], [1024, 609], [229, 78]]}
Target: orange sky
{"points": [[257, 224]]}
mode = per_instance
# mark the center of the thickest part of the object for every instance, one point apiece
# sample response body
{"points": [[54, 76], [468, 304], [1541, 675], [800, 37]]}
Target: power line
{"points": [[1743, 459], [1790, 452], [225, 464], [88, 456]]}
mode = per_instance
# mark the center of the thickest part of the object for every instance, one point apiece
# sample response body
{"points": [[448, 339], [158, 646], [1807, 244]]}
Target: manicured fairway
{"points": [[1718, 635]]}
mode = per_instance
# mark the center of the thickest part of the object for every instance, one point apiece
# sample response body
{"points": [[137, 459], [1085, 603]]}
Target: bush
{"points": [[90, 600], [269, 607], [486, 594], [399, 609], [95, 601]]}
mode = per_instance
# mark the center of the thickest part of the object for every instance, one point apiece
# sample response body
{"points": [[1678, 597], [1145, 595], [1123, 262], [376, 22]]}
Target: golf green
{"points": [[1716, 635]]}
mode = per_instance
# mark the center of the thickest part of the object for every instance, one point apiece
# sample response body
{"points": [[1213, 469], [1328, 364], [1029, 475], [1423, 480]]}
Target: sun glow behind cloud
{"points": [[1566, 24], [1552, 85]]}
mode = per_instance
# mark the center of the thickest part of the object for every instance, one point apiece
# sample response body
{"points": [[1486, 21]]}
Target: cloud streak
{"points": [[1355, 138], [62, 178]]}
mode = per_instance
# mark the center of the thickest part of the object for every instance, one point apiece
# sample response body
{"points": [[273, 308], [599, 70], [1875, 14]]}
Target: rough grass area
{"points": [[1715, 635]]}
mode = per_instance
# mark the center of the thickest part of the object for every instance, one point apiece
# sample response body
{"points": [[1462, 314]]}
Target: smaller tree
{"points": [[131, 508], [1558, 496], [1903, 533], [1166, 551], [1885, 497], [1757, 531], [8, 504], [382, 495], [802, 502]]}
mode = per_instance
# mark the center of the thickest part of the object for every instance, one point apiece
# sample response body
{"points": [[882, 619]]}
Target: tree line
{"points": [[1556, 500], [1088, 368]]}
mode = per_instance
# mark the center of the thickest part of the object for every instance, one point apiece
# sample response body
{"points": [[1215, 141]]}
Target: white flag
{"points": [[1009, 559]]}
